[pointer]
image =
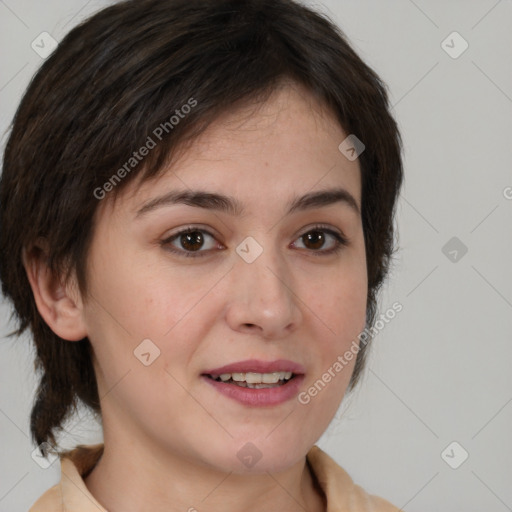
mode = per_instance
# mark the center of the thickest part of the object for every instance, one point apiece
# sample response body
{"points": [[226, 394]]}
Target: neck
{"points": [[142, 477]]}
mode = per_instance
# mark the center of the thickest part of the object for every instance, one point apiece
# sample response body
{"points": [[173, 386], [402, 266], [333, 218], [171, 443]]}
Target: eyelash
{"points": [[341, 241]]}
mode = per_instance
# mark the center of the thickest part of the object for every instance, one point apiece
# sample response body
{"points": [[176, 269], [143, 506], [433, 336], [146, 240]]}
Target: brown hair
{"points": [[115, 78]]}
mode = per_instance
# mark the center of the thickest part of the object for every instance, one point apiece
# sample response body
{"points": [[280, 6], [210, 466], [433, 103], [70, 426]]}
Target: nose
{"points": [[262, 298]]}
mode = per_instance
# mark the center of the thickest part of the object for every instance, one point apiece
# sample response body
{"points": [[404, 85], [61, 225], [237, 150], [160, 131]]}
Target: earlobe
{"points": [[59, 304]]}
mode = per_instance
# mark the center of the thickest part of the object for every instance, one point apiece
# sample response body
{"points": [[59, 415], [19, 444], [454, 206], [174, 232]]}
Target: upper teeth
{"points": [[257, 378]]}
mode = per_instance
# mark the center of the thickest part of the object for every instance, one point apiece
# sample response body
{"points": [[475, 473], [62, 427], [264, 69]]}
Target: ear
{"points": [[59, 304]]}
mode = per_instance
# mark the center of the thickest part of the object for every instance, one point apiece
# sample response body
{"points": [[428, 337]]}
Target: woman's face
{"points": [[263, 289]]}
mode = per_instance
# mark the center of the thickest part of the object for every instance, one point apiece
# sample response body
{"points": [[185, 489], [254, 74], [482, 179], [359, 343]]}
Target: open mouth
{"points": [[254, 380]]}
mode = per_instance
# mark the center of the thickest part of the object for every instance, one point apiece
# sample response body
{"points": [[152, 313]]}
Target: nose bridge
{"points": [[263, 266], [263, 284]]}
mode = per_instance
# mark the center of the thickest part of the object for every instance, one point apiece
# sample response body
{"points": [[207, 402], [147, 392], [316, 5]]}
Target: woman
{"points": [[197, 213]]}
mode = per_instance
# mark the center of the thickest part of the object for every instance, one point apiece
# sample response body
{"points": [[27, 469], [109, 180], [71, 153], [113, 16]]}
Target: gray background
{"points": [[441, 370]]}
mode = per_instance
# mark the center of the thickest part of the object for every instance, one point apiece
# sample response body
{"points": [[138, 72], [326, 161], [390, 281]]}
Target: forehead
{"points": [[286, 144]]}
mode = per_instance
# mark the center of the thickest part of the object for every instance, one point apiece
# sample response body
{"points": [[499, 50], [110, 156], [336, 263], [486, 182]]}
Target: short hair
{"points": [[109, 84]]}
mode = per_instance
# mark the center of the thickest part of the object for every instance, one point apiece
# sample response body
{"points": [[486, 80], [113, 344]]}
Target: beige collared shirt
{"points": [[72, 495]]}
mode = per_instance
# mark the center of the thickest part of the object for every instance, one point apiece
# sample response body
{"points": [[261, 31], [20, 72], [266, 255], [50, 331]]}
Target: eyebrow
{"points": [[231, 206]]}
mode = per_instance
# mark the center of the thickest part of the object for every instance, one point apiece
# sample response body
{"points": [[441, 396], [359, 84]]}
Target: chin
{"points": [[261, 454]]}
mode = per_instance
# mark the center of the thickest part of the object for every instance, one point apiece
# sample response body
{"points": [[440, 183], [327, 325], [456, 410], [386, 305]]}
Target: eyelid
{"points": [[190, 228], [325, 227]]}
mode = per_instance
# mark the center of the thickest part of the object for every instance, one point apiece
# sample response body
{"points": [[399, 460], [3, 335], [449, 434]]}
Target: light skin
{"points": [[171, 440]]}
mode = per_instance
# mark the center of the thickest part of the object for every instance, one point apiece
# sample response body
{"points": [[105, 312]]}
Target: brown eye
{"points": [[189, 242], [315, 239]]}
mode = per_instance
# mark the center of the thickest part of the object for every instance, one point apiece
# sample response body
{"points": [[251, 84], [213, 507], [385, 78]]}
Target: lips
{"points": [[257, 383], [257, 366]]}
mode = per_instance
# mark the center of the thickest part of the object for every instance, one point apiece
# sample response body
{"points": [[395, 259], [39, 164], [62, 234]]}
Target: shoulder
{"points": [[340, 490], [50, 501], [71, 493]]}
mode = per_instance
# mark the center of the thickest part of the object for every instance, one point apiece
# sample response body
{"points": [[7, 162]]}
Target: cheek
{"points": [[138, 297], [340, 311], [352, 295], [150, 305], [340, 304]]}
